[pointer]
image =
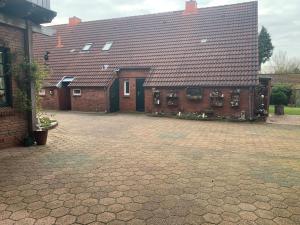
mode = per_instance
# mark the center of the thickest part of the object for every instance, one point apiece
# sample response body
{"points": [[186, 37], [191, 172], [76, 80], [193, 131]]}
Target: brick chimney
{"points": [[59, 41], [190, 7], [74, 21]]}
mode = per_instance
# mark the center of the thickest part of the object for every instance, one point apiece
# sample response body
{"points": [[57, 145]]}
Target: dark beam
{"points": [[21, 23]]}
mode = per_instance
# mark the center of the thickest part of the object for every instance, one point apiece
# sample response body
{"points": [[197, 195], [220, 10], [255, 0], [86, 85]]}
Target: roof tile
{"points": [[169, 43]]}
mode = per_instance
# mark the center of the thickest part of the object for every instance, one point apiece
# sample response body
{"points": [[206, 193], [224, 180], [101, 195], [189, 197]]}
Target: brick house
{"points": [[195, 60], [18, 19]]}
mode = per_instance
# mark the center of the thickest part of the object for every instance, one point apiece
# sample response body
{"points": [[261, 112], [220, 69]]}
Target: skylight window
{"points": [[68, 79], [87, 47], [107, 46], [203, 40]]}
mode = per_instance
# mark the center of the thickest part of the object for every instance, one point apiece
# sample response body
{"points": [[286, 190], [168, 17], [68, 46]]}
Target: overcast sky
{"points": [[281, 18]]}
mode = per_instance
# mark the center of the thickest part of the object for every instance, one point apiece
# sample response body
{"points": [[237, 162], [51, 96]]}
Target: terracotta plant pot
{"points": [[279, 110], [41, 137]]}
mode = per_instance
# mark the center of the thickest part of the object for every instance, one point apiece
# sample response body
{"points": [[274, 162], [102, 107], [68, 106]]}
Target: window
{"points": [[126, 88], [42, 92], [87, 47], [194, 93], [68, 79], [4, 79], [104, 67], [107, 46], [216, 98], [76, 92], [64, 82]]}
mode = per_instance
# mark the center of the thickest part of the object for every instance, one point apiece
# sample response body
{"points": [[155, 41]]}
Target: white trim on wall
{"points": [[126, 88], [76, 92]]}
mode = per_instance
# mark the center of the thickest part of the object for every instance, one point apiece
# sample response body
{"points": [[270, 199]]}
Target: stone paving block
{"points": [[137, 170]]}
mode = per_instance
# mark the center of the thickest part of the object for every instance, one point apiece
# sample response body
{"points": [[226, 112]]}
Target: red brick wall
{"points": [[13, 128], [186, 105], [128, 103], [91, 100], [50, 101], [13, 125]]}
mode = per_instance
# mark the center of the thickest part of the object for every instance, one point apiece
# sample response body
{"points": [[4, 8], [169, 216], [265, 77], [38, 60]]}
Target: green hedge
{"points": [[281, 95]]}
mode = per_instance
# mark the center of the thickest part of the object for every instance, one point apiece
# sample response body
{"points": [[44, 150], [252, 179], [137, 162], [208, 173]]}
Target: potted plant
{"points": [[45, 123], [279, 99], [26, 74]]}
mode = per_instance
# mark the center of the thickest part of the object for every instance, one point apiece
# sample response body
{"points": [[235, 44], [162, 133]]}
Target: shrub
{"points": [[279, 98], [278, 92]]}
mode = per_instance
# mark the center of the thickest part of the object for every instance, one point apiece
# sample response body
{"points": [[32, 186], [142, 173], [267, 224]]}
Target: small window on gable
{"points": [[126, 88], [87, 47], [42, 92], [76, 92], [107, 46]]}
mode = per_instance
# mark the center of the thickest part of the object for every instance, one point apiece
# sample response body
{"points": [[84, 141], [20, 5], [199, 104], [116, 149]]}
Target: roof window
{"points": [[64, 82], [203, 40], [87, 47], [68, 79], [107, 46]]}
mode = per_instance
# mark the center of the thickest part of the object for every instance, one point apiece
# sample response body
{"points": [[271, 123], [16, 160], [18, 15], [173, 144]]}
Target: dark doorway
{"points": [[140, 95], [114, 96], [64, 97]]}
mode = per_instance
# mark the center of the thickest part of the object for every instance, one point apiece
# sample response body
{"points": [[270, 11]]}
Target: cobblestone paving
{"points": [[135, 170]]}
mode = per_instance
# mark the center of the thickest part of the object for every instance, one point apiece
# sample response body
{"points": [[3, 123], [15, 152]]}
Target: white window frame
{"points": [[87, 47], [126, 82], [76, 94], [107, 46], [42, 92]]}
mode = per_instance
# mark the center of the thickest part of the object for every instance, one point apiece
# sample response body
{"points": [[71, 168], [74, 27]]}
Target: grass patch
{"points": [[287, 110]]}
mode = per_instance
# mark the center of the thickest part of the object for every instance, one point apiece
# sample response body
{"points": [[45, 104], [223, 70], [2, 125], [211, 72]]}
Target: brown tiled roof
{"points": [[171, 44]]}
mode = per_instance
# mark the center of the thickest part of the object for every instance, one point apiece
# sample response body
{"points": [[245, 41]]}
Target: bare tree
{"points": [[282, 64], [294, 66]]}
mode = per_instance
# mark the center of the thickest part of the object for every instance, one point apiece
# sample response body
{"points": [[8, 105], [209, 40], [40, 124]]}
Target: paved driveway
{"points": [[132, 169]]}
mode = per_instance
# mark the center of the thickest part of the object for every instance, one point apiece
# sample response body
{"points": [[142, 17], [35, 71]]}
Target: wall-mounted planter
{"points": [[156, 97], [235, 98], [216, 98], [172, 98]]}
